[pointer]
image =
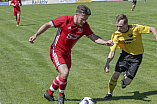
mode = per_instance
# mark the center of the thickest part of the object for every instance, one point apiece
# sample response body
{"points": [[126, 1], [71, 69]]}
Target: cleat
{"points": [[132, 10], [49, 97], [108, 96], [17, 25], [122, 84], [61, 99]]}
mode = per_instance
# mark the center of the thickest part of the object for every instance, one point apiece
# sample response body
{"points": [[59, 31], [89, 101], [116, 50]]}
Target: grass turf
{"points": [[26, 71]]}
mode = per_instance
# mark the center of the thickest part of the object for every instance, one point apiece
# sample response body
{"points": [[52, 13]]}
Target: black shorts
{"points": [[129, 63], [134, 3]]}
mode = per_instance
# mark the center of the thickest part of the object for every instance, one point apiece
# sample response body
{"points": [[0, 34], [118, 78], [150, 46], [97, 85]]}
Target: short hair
{"points": [[122, 17], [83, 9]]}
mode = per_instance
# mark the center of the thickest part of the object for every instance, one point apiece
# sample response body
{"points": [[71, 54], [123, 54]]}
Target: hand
{"points": [[106, 68], [31, 39], [109, 43]]}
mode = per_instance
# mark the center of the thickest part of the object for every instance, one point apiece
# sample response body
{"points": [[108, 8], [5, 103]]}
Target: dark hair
{"points": [[83, 9], [122, 17]]}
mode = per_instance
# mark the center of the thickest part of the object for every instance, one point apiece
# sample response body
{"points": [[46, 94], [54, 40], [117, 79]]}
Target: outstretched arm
{"points": [[99, 40], [41, 30], [11, 4], [109, 59], [154, 31]]}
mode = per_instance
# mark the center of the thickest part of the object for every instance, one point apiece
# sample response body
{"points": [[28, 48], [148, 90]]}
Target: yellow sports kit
{"points": [[130, 41]]}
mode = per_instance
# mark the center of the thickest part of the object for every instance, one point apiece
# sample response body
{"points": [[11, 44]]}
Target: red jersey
{"points": [[68, 33], [17, 3]]}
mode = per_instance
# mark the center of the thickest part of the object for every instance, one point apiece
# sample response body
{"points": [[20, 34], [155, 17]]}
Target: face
{"points": [[121, 27], [81, 19]]}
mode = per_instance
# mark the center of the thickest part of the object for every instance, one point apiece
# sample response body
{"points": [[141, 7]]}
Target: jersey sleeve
{"points": [[88, 31], [115, 39], [143, 29], [12, 1], [59, 22]]}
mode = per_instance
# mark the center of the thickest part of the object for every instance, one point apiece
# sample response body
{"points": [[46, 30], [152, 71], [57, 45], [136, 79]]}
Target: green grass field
{"points": [[26, 71]]}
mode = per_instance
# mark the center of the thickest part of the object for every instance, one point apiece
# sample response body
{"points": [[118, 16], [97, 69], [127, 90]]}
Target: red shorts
{"points": [[16, 11], [59, 58]]}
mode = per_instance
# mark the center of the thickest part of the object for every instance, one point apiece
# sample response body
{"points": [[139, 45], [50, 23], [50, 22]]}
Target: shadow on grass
{"points": [[27, 25], [136, 96]]}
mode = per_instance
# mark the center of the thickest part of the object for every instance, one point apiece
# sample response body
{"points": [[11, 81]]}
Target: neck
{"points": [[75, 19]]}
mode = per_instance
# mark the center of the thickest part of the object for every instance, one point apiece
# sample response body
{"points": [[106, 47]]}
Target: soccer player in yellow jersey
{"points": [[133, 4], [128, 38]]}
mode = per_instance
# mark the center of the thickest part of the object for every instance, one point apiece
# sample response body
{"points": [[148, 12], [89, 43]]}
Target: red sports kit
{"points": [[16, 9], [67, 35]]}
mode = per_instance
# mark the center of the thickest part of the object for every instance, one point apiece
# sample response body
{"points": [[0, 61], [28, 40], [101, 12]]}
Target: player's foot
{"points": [[132, 10], [122, 84], [108, 96], [49, 97], [61, 99], [17, 25]]}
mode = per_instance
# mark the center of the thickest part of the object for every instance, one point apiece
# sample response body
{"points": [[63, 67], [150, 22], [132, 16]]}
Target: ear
{"points": [[76, 14]]}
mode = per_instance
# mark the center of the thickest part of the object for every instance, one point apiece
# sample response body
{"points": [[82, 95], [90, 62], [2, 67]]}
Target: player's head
{"points": [[82, 14], [122, 23], [83, 9]]}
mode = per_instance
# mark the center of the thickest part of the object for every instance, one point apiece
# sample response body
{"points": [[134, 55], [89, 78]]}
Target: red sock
{"points": [[54, 86], [62, 85], [18, 20]]}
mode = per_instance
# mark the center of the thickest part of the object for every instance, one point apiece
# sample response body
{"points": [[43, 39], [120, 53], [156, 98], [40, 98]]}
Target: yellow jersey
{"points": [[130, 41]]}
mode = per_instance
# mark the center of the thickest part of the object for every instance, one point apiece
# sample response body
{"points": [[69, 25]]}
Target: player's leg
{"points": [[59, 82], [15, 14], [134, 63], [18, 18], [63, 75], [112, 84], [120, 67], [125, 80], [133, 5]]}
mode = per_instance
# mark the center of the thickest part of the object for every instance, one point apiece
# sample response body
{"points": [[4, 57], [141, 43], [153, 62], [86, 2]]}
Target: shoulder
{"points": [[86, 25], [66, 17]]}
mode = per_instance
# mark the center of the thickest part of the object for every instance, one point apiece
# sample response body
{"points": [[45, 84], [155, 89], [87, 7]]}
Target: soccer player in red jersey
{"points": [[16, 9], [70, 29]]}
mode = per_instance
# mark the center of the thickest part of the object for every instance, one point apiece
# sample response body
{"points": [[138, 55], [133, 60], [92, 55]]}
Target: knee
{"points": [[115, 75], [127, 81], [65, 74]]}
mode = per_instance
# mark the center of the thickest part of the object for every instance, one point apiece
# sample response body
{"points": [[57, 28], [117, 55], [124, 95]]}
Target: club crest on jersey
{"points": [[130, 35], [80, 29], [69, 28]]}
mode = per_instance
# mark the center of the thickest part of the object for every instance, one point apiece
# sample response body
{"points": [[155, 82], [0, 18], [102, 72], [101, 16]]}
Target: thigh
{"points": [[122, 64], [134, 64], [18, 12], [134, 3], [59, 58], [14, 11]]}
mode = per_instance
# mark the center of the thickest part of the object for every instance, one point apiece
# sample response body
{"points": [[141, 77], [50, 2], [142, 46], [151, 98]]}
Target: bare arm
{"points": [[99, 40], [20, 3], [154, 31], [41, 30], [109, 59], [11, 4]]}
